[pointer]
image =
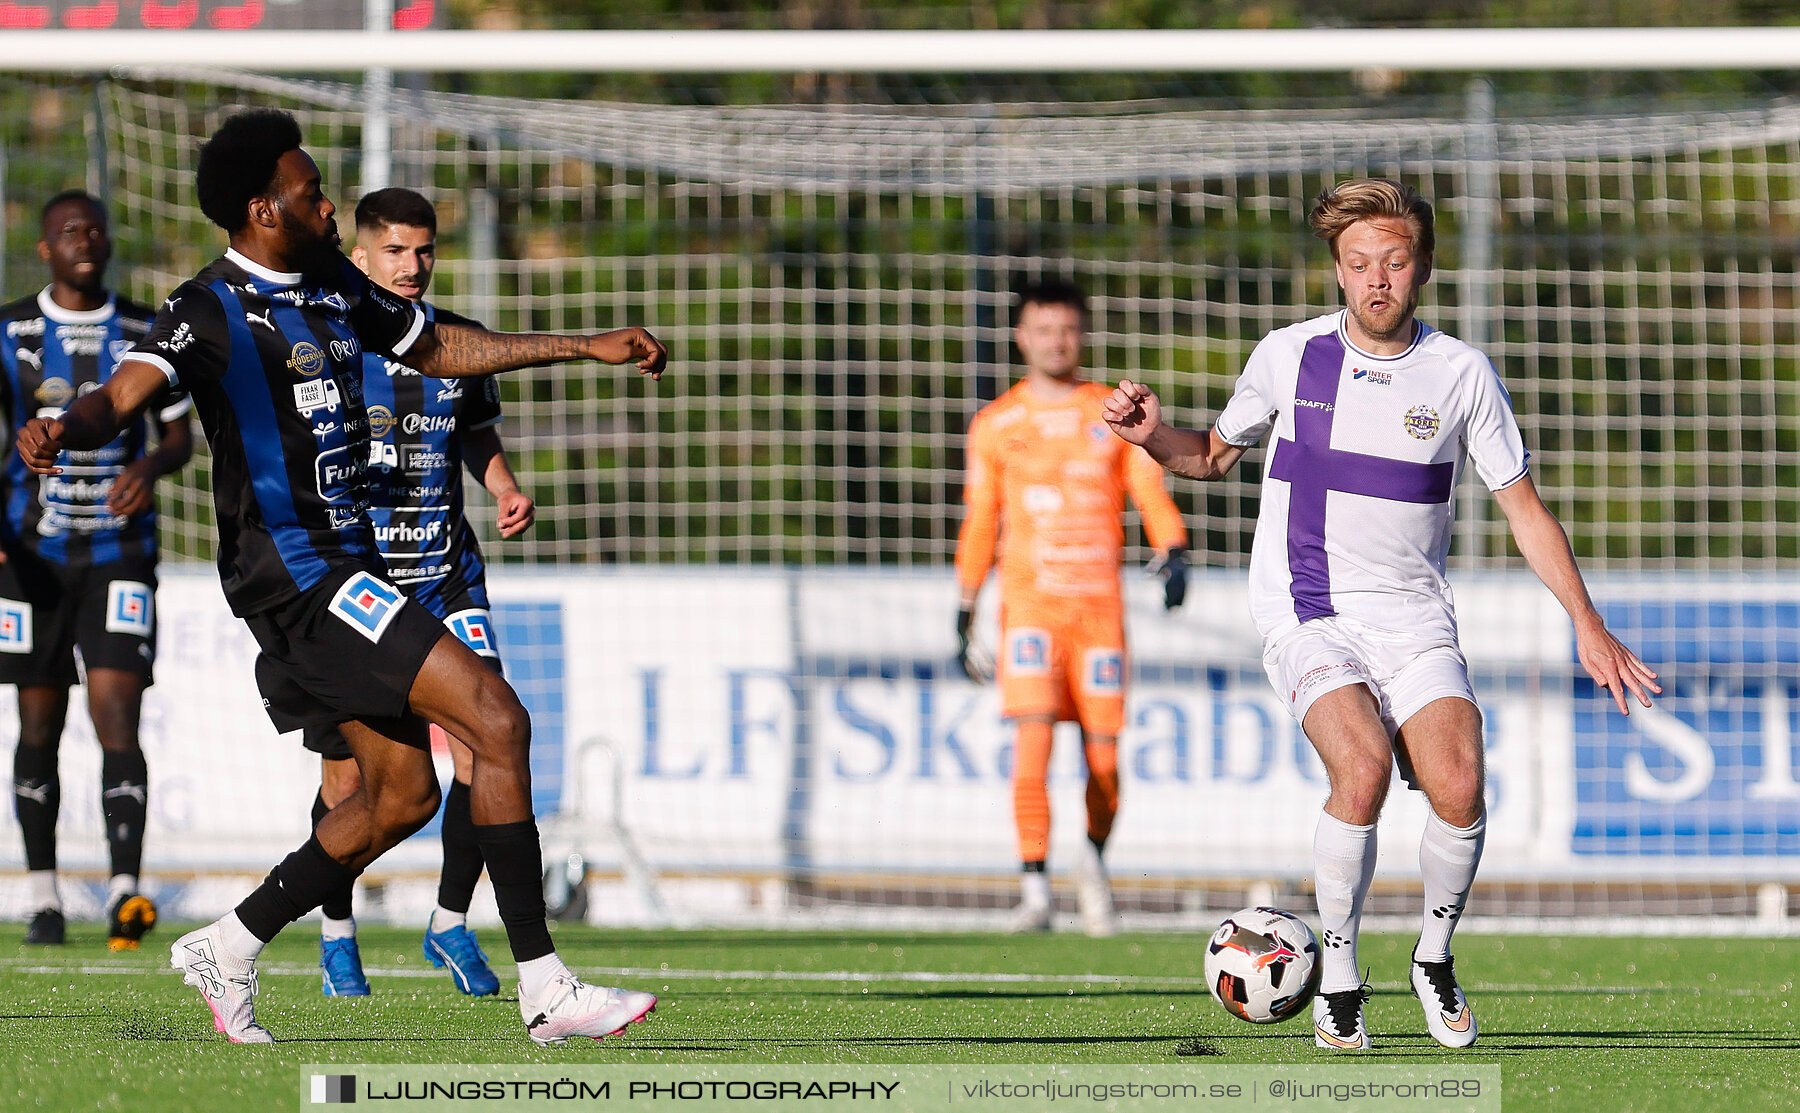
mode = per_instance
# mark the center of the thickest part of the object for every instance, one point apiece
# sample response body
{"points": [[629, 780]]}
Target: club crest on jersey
{"points": [[118, 349], [381, 421], [55, 391], [1104, 671], [367, 604], [319, 394], [307, 359], [15, 626], [475, 630], [129, 608], [1421, 422], [1371, 375], [1028, 652], [1097, 432]]}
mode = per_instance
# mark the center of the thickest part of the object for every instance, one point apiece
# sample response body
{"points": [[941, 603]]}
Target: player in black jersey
{"points": [[268, 340], [423, 430], [78, 561]]}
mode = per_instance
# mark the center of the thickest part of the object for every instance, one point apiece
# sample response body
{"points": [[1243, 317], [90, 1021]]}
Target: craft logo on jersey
{"points": [[1028, 652], [381, 421], [1105, 671], [307, 360], [15, 626], [1370, 375], [475, 630], [367, 604], [1422, 422], [129, 608]]}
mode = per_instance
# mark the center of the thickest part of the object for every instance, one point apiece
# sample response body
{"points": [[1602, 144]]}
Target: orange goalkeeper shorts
{"points": [[1069, 666]]}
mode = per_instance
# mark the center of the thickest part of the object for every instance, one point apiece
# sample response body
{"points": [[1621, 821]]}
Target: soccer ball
{"points": [[1263, 965]]}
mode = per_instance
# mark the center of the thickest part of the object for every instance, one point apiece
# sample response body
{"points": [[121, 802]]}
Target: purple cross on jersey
{"points": [[1313, 469]]}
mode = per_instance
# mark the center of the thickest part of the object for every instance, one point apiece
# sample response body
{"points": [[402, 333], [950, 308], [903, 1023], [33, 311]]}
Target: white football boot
{"points": [[571, 1007], [1093, 894], [1447, 1012], [227, 985], [1338, 1020]]}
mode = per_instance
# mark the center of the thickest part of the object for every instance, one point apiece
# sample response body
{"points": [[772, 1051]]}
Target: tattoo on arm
{"points": [[462, 351]]}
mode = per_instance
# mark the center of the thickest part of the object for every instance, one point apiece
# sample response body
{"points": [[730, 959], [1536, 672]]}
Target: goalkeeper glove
{"points": [[1172, 568], [976, 663]]}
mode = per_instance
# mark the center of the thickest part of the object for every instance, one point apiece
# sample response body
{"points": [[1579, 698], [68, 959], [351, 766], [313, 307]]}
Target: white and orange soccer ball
{"points": [[1263, 965]]}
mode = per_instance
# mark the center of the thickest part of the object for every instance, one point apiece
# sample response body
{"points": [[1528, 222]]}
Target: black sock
{"points": [[462, 853], [1032, 867], [125, 801], [37, 797], [515, 863], [336, 905], [292, 889]]}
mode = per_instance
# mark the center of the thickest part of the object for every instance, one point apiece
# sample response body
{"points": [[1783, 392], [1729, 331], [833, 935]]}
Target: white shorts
{"points": [[1404, 672]]}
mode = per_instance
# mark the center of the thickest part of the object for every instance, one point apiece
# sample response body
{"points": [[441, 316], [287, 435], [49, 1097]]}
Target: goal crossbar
{"points": [[1472, 50]]}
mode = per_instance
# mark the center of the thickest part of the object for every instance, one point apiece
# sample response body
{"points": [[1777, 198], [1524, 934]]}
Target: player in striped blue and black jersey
{"points": [[269, 341], [423, 431], [78, 561]]}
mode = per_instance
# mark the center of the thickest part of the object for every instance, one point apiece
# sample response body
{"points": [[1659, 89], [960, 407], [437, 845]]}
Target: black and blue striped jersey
{"points": [[274, 364], [49, 356], [416, 425]]}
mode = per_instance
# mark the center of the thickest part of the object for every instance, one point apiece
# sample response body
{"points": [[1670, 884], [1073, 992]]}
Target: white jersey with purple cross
{"points": [[1356, 501]]}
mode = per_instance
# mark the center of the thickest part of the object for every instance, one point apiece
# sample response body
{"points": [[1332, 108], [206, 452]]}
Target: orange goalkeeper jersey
{"points": [[1045, 491]]}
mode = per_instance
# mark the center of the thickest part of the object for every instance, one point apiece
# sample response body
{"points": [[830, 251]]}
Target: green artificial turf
{"points": [[1574, 1023]]}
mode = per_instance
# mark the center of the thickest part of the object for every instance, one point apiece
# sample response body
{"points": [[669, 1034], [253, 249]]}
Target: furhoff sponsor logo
{"points": [[333, 1089]]}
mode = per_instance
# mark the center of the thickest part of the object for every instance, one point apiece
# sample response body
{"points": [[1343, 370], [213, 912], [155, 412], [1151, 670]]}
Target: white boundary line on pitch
{"points": [[926, 977]]}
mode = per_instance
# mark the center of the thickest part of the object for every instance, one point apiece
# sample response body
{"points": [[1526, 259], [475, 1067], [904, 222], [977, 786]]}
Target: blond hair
{"points": [[1345, 203]]}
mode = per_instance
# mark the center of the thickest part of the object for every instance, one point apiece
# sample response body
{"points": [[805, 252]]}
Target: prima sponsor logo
{"points": [[345, 350], [413, 424]]}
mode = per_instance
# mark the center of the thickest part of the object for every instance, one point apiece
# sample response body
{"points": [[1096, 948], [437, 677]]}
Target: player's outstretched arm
{"points": [[1545, 546], [450, 351], [95, 418], [1135, 413]]}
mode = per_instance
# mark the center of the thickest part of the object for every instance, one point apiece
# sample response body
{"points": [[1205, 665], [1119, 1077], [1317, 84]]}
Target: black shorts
{"points": [[48, 611], [327, 739], [349, 648]]}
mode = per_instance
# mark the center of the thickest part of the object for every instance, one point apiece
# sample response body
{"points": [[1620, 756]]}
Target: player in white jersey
{"points": [[1374, 414]]}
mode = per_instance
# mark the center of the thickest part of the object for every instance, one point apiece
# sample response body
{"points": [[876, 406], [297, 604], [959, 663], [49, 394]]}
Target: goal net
{"points": [[742, 573]]}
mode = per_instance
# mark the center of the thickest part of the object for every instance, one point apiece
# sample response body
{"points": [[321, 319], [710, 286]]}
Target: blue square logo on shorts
{"points": [[1105, 671], [1028, 652], [129, 608], [15, 626], [367, 604], [475, 630]]}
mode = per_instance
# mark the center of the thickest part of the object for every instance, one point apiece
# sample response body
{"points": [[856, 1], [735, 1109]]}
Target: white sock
{"points": [[337, 929], [237, 940], [1343, 866], [121, 885], [1448, 857], [43, 890], [1034, 888], [442, 919], [535, 975]]}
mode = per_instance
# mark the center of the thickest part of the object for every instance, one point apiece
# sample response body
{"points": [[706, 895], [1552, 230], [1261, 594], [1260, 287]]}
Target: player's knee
{"points": [[402, 809], [505, 726], [1360, 785]]}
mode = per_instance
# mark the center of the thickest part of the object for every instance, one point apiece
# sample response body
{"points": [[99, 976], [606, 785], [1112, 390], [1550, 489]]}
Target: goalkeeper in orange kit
{"points": [[1045, 494]]}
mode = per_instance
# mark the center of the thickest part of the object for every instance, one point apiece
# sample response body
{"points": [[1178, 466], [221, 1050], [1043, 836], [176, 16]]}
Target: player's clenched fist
{"points": [[631, 344], [40, 443], [1133, 411]]}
